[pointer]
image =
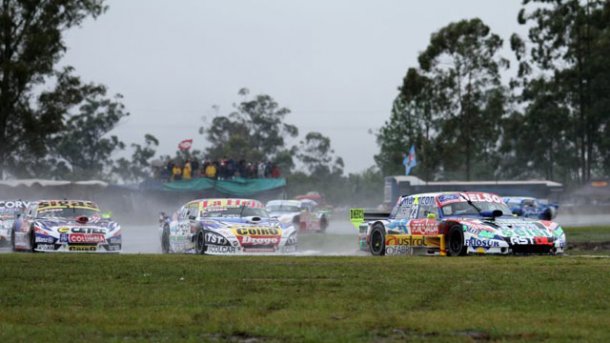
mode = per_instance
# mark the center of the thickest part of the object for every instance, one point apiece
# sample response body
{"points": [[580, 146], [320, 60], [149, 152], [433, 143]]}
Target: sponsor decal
{"points": [[475, 197], [67, 204], [83, 248], [483, 243], [448, 197], [525, 231], [63, 230], [212, 238], [14, 204], [86, 238], [257, 236], [398, 250], [88, 230], [221, 249], [423, 227], [224, 203], [45, 247], [248, 231], [412, 241], [44, 239], [531, 240], [262, 240]]}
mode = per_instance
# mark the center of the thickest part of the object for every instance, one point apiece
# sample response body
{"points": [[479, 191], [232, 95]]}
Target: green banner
{"points": [[233, 187]]}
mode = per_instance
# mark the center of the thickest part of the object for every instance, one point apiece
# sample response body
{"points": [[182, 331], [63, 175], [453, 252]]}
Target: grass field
{"points": [[592, 240], [246, 299]]}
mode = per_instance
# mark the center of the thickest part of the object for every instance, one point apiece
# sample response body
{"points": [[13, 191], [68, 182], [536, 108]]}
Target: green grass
{"points": [[588, 234], [202, 298]]}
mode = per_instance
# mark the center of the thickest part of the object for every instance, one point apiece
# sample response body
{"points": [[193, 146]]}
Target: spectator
{"points": [[251, 170], [176, 173], [268, 167], [261, 170], [170, 170], [210, 171], [231, 168], [187, 170], [195, 167], [275, 172]]}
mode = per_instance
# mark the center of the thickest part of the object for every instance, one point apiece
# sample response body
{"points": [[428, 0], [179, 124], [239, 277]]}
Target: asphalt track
{"points": [[340, 238]]}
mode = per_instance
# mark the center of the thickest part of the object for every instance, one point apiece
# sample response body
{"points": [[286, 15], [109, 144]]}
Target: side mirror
{"points": [[431, 216], [192, 217]]}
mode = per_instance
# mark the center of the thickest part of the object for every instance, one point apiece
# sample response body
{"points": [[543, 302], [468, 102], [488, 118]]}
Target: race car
{"points": [[455, 224], [532, 208], [226, 227], [65, 226], [303, 214], [9, 210]]}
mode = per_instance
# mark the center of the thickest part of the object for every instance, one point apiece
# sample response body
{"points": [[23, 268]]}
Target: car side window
{"points": [[31, 212], [182, 213], [405, 209], [193, 210], [424, 210]]}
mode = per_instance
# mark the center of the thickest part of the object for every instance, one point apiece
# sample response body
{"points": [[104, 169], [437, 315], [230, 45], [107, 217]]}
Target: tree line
{"points": [[550, 120]]}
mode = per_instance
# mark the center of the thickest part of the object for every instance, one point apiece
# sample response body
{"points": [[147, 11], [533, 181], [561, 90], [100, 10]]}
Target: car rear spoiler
{"points": [[359, 215]]}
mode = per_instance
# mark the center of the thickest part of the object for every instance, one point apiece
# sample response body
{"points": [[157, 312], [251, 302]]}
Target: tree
{"points": [[30, 46], [139, 168], [78, 146], [255, 131], [316, 154], [463, 59], [568, 42]]}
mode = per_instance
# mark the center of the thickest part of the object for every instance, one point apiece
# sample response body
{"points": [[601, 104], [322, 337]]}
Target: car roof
{"points": [[284, 202], [226, 202]]}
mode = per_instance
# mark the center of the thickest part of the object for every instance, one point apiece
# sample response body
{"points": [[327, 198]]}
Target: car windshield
{"points": [[67, 212], [283, 208], [236, 212], [463, 208]]}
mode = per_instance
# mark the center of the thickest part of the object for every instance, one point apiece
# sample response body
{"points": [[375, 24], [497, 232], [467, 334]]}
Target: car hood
{"points": [[69, 225]]}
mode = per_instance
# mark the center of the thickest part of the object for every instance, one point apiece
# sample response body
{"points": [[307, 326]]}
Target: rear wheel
{"points": [[200, 243], [377, 240], [455, 241], [165, 240]]}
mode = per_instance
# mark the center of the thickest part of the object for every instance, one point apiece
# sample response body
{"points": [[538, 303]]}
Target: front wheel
{"points": [[377, 240], [165, 240], [33, 244], [200, 243], [455, 241]]}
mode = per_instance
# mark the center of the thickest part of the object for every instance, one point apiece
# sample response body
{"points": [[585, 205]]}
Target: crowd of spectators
{"points": [[224, 169]]}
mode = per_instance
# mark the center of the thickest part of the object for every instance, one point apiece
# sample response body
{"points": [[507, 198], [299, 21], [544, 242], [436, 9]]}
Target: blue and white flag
{"points": [[409, 161]]}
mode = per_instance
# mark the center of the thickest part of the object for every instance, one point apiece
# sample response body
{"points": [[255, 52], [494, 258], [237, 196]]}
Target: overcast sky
{"points": [[335, 64]]}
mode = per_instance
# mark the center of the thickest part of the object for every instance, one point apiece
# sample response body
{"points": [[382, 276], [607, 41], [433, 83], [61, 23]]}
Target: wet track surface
{"points": [[339, 239]]}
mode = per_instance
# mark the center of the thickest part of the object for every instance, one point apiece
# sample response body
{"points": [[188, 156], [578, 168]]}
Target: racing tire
{"points": [[200, 243], [323, 224], [455, 241], [13, 248], [33, 244], [165, 240], [377, 240]]}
